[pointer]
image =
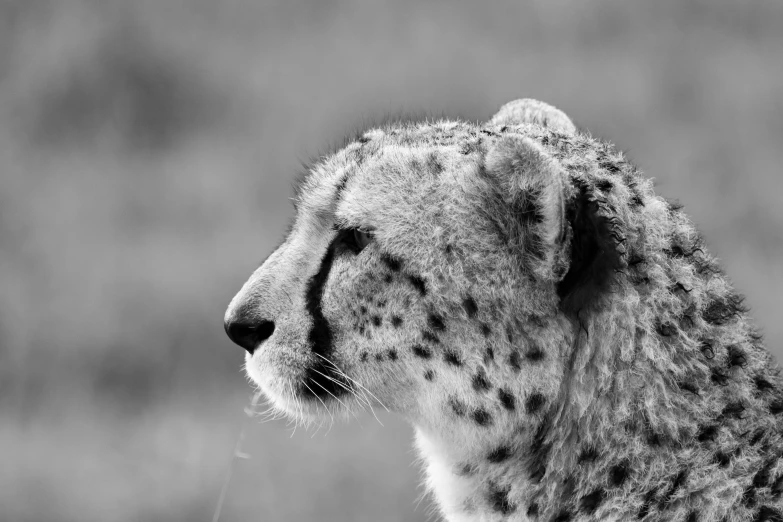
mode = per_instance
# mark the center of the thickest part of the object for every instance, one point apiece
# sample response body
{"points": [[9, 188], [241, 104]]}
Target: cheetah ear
{"points": [[528, 110], [563, 227], [531, 185]]}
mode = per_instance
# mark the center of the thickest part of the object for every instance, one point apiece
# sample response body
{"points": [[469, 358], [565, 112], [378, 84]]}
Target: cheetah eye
{"points": [[355, 239], [361, 238]]}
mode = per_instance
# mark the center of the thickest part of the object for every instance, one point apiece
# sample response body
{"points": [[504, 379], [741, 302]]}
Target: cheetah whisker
{"points": [[330, 393], [324, 405], [362, 398], [361, 388], [354, 381]]}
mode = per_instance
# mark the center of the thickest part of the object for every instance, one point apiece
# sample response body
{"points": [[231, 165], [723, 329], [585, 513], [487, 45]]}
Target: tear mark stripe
{"points": [[329, 383]]}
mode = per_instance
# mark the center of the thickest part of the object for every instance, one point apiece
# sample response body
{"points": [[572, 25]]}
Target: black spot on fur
{"points": [[718, 377], [649, 497], [535, 354], [680, 288], [692, 517], [392, 354], [678, 251], [466, 470], [690, 387], [499, 454], [654, 439], [457, 406], [720, 311], [421, 351], [481, 417], [707, 350], [756, 438], [435, 322], [418, 284], [429, 375], [376, 320], [532, 510], [734, 409], [539, 452], [737, 357], [480, 382], [776, 407], [534, 402], [485, 330], [452, 358], [590, 502], [767, 514], [489, 355], [379, 356], [776, 489], [387, 278], [722, 459], [707, 267], [392, 263], [635, 259], [506, 399], [514, 361], [604, 185], [618, 474], [498, 499], [396, 321], [430, 337], [563, 516], [761, 478], [470, 306], [749, 496], [363, 357], [763, 385], [677, 483], [707, 433], [589, 454], [666, 329]]}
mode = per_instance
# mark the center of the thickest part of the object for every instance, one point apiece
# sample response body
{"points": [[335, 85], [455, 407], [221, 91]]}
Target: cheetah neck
{"points": [[628, 436], [460, 485]]}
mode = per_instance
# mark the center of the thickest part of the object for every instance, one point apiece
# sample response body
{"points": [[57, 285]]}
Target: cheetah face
{"points": [[421, 271], [368, 295]]}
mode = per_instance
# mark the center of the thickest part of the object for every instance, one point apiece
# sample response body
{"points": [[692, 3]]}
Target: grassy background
{"points": [[146, 150]]}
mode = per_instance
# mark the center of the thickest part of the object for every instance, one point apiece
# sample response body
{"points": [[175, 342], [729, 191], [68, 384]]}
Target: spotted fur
{"points": [[560, 337]]}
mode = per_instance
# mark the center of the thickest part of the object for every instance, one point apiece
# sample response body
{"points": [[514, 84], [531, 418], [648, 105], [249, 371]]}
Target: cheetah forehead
{"points": [[451, 140]]}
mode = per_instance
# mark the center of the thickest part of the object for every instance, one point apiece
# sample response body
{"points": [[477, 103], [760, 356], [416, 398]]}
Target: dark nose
{"points": [[249, 334]]}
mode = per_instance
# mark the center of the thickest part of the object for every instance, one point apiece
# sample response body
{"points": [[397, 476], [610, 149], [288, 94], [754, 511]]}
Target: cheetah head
{"points": [[432, 267]]}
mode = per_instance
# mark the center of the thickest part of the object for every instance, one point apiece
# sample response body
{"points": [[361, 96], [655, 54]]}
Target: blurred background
{"points": [[146, 154]]}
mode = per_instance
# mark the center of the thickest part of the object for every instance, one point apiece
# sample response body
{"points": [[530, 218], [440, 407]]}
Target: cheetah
{"points": [[562, 341]]}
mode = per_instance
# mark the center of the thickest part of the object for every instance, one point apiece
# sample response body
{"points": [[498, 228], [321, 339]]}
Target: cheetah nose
{"points": [[248, 334]]}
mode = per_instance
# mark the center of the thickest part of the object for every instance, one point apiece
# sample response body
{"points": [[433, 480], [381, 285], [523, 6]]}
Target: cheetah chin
{"points": [[559, 336]]}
